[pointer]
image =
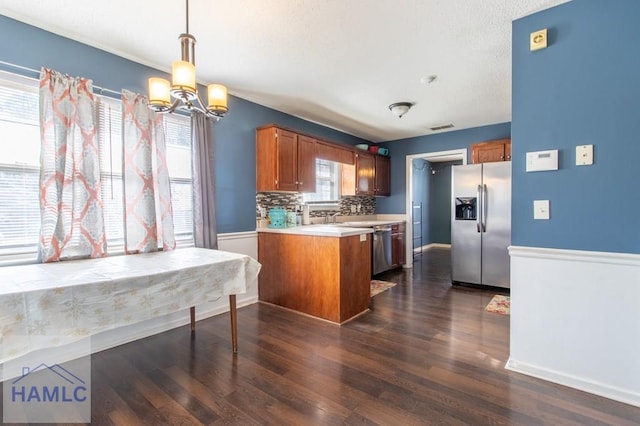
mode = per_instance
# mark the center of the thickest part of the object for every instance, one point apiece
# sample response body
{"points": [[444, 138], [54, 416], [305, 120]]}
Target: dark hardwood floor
{"points": [[426, 353]]}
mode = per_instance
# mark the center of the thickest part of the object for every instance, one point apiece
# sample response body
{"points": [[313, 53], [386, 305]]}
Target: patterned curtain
{"points": [[72, 224], [147, 194], [204, 196]]}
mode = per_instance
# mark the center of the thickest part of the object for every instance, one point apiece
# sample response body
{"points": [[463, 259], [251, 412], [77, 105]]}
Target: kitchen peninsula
{"points": [[319, 270]]}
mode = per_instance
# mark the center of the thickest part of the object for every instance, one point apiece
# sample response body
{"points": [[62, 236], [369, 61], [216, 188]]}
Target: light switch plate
{"points": [[363, 237], [541, 209], [584, 155]]}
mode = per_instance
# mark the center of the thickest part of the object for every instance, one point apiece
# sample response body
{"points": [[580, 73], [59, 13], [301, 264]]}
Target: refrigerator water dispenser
{"points": [[466, 208]]}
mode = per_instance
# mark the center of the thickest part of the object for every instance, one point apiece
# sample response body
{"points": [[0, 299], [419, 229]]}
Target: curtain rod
{"points": [[37, 72]]}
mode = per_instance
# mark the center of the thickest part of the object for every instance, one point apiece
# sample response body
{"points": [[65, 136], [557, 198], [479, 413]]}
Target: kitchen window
{"points": [[327, 184], [20, 170]]}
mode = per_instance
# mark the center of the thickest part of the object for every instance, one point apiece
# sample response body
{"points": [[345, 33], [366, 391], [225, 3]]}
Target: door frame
{"points": [[433, 157]]}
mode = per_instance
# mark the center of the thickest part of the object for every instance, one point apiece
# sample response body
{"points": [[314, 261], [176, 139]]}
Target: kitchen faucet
{"points": [[332, 218]]}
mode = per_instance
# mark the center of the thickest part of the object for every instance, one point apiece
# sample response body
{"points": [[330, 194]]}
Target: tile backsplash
{"points": [[289, 201]]}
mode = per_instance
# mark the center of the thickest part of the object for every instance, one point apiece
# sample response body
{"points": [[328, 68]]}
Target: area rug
{"points": [[378, 286], [500, 305]]}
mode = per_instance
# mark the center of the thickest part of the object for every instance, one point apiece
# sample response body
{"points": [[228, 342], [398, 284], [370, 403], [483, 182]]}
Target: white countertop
{"points": [[332, 230]]}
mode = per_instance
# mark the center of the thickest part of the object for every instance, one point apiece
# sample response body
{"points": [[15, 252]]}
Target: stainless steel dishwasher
{"points": [[381, 249]]}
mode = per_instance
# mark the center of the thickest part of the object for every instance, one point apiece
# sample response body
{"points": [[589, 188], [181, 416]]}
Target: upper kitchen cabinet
{"points": [[365, 174], [383, 176], [285, 160], [335, 153], [369, 176], [491, 151]]}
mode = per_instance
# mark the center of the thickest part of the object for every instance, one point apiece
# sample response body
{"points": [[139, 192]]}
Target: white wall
{"points": [[575, 319]]}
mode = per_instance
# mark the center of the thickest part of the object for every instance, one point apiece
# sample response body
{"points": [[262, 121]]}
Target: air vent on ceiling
{"points": [[444, 126]]}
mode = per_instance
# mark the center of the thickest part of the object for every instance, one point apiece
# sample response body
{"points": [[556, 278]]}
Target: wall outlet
{"points": [[353, 209], [359, 207]]}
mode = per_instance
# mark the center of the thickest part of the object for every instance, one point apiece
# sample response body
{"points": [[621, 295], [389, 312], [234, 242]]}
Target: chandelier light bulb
{"points": [[159, 92]]}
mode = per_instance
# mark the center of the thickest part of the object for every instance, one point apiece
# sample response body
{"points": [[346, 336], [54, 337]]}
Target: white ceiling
{"points": [[339, 63]]}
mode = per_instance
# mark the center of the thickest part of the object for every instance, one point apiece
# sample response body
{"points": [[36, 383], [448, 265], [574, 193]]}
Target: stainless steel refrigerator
{"points": [[481, 223]]}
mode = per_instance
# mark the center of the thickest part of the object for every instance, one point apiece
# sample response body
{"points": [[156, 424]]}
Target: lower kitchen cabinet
{"points": [[398, 245], [327, 277]]}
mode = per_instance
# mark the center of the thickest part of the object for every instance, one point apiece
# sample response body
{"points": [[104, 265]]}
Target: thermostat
{"points": [[540, 161]]}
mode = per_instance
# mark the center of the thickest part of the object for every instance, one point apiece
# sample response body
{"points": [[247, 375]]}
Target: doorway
{"points": [[459, 155]]}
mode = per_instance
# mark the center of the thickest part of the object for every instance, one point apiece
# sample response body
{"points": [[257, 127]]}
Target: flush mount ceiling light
{"points": [[183, 87], [400, 108]]}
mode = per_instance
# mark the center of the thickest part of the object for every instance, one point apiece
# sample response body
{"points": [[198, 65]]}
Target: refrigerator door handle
{"points": [[479, 209], [484, 208]]}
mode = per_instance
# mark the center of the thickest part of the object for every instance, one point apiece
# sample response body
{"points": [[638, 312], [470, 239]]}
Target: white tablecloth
{"points": [[47, 305]]}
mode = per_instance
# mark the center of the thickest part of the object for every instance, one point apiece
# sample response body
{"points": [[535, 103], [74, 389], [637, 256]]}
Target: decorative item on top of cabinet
{"points": [[490, 151], [285, 160]]}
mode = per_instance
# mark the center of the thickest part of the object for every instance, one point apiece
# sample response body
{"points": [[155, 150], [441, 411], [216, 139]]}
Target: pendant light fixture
{"points": [[183, 87]]}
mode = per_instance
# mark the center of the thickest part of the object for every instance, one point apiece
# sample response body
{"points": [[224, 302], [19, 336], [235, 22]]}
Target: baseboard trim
{"points": [[600, 389], [430, 246]]}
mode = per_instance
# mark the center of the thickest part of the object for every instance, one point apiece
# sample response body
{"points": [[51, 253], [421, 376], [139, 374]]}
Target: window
{"points": [[327, 183], [20, 170]]}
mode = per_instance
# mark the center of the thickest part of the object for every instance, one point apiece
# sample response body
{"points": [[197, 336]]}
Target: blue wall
{"points": [[583, 89], [31, 47], [399, 149]]}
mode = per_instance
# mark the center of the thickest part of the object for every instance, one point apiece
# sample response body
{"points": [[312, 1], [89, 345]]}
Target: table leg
{"points": [[234, 322], [193, 318]]}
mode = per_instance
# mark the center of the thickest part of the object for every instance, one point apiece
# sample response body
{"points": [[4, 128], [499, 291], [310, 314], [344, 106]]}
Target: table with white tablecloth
{"points": [[52, 304]]}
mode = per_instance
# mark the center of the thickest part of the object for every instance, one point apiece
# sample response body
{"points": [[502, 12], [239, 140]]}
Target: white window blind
{"points": [[19, 167], [20, 170]]}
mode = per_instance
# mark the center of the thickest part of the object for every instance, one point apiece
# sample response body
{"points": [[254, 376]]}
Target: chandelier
{"points": [[183, 87]]}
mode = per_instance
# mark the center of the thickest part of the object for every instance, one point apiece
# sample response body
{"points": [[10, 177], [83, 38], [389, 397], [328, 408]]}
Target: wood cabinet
{"points": [[491, 151], [398, 244], [365, 174], [383, 176], [327, 277], [333, 152], [285, 161], [369, 176]]}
